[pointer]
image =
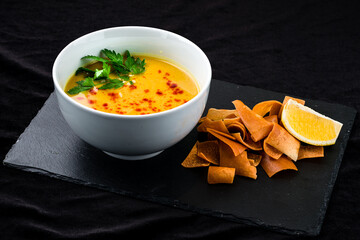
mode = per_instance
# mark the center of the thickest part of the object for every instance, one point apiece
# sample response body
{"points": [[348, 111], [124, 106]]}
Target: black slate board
{"points": [[291, 202]]}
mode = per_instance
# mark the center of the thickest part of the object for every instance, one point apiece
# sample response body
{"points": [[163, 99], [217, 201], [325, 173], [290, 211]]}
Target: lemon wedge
{"points": [[309, 126]]}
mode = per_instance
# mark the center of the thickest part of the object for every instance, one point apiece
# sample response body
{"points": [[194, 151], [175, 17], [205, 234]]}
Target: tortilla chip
{"points": [[283, 141], [254, 159], [228, 121], [258, 127], [272, 118], [241, 163], [236, 148], [247, 141], [201, 120], [272, 166], [309, 151], [209, 151], [272, 107], [236, 127], [271, 151], [220, 114], [193, 161], [217, 125], [220, 175]]}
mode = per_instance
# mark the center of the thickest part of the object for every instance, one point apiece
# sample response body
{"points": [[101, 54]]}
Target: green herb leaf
{"points": [[83, 85], [135, 65], [87, 82], [122, 64], [99, 59], [113, 83], [103, 73], [121, 69], [114, 57], [86, 70], [138, 67]]}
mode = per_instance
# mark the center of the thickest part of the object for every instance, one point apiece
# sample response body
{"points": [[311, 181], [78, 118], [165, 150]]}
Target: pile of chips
{"points": [[239, 140]]}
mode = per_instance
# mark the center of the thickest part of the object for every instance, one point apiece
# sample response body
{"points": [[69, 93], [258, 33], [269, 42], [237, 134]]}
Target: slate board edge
{"points": [[336, 172]]}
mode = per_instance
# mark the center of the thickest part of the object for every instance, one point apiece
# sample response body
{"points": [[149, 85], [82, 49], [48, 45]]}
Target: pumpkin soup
{"points": [[160, 87]]}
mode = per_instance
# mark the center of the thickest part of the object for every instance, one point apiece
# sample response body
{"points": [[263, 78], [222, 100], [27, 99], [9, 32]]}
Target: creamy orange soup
{"points": [[161, 87]]}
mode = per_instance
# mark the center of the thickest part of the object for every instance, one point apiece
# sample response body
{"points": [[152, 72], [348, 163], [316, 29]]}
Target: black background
{"points": [[303, 48]]}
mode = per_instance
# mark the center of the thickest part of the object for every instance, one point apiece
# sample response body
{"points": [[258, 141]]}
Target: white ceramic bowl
{"points": [[125, 136]]}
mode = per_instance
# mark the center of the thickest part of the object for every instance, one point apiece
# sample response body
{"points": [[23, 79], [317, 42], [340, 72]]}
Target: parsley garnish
{"points": [[83, 85], [122, 65]]}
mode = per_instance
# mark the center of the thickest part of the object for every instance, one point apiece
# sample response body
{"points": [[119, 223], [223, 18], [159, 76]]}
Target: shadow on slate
{"points": [[294, 204]]}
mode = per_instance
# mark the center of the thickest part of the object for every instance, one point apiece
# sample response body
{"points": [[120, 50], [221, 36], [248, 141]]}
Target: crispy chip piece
{"points": [[247, 141], [241, 163], [286, 99], [209, 151], [236, 148], [236, 127], [227, 135], [193, 161], [283, 141], [220, 175], [272, 166], [220, 114], [272, 118], [272, 107], [228, 121], [271, 151], [258, 127], [310, 151], [201, 120], [217, 125], [254, 159]]}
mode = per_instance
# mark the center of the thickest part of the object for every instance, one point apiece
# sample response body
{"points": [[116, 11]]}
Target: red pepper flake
{"points": [[132, 87], [138, 109], [167, 74], [168, 83], [91, 101], [105, 105], [173, 85], [113, 96], [145, 99], [159, 71], [177, 100], [93, 91], [178, 91], [146, 90], [158, 92]]}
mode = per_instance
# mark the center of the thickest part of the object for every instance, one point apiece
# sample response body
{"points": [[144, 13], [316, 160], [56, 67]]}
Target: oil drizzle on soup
{"points": [[161, 87]]}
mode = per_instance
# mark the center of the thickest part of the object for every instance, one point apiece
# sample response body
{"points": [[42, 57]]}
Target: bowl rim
{"points": [[203, 90]]}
